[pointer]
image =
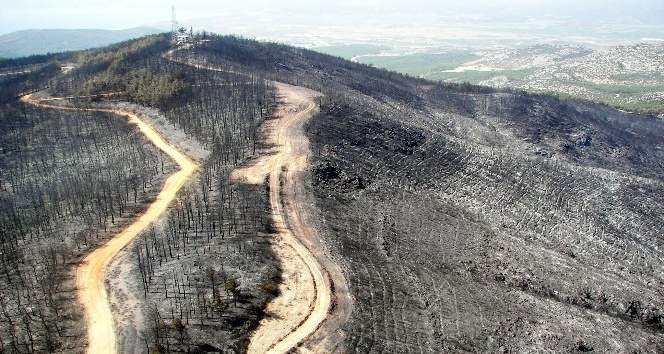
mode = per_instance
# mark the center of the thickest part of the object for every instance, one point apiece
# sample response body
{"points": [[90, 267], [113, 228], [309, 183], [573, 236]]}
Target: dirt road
{"points": [[305, 294], [302, 316], [91, 272]]}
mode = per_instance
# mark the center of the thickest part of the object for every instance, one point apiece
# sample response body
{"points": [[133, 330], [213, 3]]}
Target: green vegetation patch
{"points": [[115, 71], [420, 64], [475, 77], [643, 107], [348, 51]]}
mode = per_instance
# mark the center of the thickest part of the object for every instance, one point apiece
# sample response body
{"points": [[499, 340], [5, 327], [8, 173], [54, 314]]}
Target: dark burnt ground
{"points": [[470, 219], [464, 218], [524, 224], [198, 281]]}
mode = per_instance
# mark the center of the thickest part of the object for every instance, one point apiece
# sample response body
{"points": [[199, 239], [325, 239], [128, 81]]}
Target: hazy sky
{"points": [[116, 14]]}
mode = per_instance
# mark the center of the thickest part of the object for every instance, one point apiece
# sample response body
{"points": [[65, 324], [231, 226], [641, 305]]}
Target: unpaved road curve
{"points": [[302, 316], [91, 272], [305, 295]]}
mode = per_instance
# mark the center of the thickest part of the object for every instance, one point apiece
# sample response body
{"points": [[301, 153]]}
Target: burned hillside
{"points": [[470, 219]]}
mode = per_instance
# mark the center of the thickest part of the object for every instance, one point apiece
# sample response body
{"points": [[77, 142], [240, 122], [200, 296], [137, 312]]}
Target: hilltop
{"points": [[462, 218]]}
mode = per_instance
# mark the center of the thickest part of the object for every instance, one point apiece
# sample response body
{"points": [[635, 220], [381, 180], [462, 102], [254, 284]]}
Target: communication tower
{"points": [[174, 26]]}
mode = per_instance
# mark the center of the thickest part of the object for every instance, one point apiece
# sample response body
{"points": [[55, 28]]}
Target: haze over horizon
{"points": [[350, 176], [121, 14]]}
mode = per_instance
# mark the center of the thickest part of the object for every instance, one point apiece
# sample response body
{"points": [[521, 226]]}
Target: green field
{"points": [[432, 66], [420, 64], [348, 51], [475, 77]]}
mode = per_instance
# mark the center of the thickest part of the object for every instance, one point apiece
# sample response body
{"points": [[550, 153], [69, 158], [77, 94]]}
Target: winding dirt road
{"points": [[311, 284], [313, 299], [90, 274], [305, 295]]}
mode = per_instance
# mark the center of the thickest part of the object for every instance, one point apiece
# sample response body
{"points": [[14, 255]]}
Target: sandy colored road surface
{"points": [[91, 272], [305, 294], [101, 95], [302, 317], [303, 306], [16, 73]]}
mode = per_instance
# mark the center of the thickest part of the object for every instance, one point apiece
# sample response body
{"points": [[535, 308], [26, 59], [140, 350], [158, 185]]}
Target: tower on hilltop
{"points": [[174, 26], [179, 34]]}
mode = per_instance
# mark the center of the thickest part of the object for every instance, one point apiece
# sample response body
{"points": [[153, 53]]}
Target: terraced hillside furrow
{"points": [[520, 227], [539, 243]]}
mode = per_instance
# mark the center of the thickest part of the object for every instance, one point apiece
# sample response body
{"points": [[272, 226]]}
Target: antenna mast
{"points": [[174, 26]]}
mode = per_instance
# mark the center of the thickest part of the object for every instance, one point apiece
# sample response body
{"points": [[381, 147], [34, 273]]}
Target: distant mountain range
{"points": [[31, 42]]}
